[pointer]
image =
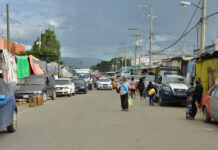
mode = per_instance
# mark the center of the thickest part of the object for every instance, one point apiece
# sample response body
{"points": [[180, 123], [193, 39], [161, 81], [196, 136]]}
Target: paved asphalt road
{"points": [[95, 122]]}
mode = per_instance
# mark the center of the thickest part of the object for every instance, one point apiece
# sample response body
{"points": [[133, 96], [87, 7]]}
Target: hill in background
{"points": [[86, 62]]}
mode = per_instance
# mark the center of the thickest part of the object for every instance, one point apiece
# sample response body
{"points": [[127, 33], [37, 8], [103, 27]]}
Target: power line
{"points": [[184, 32]]}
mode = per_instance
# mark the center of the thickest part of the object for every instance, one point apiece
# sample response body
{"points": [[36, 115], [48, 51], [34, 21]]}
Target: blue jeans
{"points": [[151, 99]]}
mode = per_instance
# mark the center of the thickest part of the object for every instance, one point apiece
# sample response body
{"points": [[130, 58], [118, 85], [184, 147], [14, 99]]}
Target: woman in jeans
{"points": [[151, 97]]}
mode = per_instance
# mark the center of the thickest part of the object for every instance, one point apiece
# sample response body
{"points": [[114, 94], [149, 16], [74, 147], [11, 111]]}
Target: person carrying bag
{"points": [[151, 93], [123, 90]]}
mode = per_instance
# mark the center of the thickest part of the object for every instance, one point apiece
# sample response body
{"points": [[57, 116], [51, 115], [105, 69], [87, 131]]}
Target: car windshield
{"points": [[136, 77], [149, 78], [169, 80], [62, 82], [32, 81], [104, 80], [79, 82]]}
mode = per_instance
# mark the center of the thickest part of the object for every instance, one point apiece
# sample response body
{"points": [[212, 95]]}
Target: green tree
{"points": [[48, 41], [49, 48], [105, 66]]}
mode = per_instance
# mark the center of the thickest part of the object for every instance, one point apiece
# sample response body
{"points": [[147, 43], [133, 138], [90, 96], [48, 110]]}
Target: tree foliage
{"points": [[48, 41], [49, 47], [111, 65]]}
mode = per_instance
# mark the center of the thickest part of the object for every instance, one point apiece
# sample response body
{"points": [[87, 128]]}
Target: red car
{"points": [[209, 104]]}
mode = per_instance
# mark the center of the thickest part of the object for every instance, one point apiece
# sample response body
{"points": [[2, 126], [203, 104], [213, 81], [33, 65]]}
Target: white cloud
{"points": [[27, 47], [53, 23], [23, 33]]}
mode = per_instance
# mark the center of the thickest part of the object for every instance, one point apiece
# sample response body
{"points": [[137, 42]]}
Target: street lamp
{"points": [[203, 21], [185, 3]]}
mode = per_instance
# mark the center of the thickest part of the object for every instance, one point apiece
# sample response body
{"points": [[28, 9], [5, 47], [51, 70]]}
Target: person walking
{"points": [[141, 87], [123, 90], [197, 95], [132, 87], [189, 106], [151, 97]]}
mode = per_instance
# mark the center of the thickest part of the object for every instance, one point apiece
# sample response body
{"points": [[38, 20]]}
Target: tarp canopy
{"points": [[65, 73], [10, 69], [53, 68], [35, 67], [43, 65], [22, 67]]}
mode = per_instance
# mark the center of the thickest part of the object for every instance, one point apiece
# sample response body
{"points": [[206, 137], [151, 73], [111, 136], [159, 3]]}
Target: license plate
{"points": [[26, 96]]}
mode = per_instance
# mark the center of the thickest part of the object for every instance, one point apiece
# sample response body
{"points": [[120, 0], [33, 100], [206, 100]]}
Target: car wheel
{"points": [[161, 103], [53, 95], [44, 96], [206, 117], [70, 94], [13, 126]]}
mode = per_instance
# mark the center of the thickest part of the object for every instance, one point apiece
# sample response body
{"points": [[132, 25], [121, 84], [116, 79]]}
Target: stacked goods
{"points": [[35, 101]]}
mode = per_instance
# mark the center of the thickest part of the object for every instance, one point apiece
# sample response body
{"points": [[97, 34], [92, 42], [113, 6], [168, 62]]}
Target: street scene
{"points": [[92, 122], [100, 75]]}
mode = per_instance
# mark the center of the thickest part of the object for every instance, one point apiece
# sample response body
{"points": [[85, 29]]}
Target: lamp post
{"points": [[203, 21]]}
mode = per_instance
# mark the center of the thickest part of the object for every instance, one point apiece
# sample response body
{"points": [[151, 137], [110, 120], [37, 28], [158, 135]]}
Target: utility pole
{"points": [[2, 19], [197, 37], [40, 36], [8, 29], [151, 34], [136, 45], [59, 62], [125, 56], [203, 26], [151, 30], [81, 64]]}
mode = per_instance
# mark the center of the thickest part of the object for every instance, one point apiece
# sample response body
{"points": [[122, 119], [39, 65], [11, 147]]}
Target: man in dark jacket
{"points": [[197, 95]]}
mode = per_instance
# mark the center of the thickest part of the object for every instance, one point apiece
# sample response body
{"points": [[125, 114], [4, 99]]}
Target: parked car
{"points": [[80, 86], [209, 104], [64, 86], [8, 108], [104, 83], [171, 89], [136, 78], [149, 78], [36, 85]]}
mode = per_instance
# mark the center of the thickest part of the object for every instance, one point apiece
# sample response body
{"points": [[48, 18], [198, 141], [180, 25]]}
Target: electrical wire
{"points": [[184, 32]]}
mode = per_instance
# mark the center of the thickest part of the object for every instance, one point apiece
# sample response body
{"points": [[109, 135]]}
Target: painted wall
{"points": [[15, 48], [207, 70]]}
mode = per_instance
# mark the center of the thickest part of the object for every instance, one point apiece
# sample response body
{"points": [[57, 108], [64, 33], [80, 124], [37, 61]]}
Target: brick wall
{"points": [[15, 48]]}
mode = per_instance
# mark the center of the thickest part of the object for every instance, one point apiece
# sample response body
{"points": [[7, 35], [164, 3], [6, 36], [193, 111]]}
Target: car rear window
{"points": [[32, 81], [62, 82]]}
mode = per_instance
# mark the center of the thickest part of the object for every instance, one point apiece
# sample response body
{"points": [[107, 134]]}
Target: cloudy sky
{"points": [[95, 28]]}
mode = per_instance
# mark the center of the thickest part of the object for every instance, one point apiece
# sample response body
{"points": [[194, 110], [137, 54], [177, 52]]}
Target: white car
{"points": [[64, 86], [104, 83]]}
